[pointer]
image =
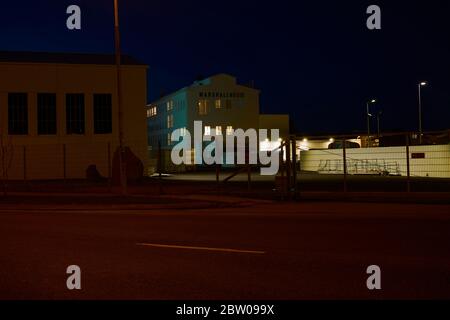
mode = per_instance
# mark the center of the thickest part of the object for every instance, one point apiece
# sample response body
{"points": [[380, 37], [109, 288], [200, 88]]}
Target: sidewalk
{"points": [[386, 197], [141, 201], [84, 201]]}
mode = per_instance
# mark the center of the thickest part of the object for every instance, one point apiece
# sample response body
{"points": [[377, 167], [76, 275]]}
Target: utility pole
{"points": [[122, 162], [420, 85]]}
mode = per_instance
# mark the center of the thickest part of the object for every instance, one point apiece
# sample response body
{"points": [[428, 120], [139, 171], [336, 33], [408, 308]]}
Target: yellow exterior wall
{"points": [[44, 155], [275, 121]]}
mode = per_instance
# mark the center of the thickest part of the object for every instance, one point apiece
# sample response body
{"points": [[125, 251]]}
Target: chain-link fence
{"points": [[74, 162], [392, 162]]}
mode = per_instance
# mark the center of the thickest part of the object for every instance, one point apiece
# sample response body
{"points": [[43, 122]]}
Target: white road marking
{"points": [[198, 248]]}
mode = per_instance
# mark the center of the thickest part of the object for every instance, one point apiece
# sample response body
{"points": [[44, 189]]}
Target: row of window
{"points": [[151, 112], [221, 94], [207, 132], [47, 114], [229, 130], [203, 106]]}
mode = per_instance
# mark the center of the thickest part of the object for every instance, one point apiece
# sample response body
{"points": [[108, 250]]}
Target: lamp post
{"points": [[122, 164], [369, 115], [420, 85]]}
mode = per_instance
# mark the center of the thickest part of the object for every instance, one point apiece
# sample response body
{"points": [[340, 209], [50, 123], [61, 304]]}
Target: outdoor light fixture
{"points": [[331, 140]]}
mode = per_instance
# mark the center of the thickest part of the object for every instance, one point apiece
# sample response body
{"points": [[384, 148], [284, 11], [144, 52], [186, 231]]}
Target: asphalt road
{"points": [[263, 251]]}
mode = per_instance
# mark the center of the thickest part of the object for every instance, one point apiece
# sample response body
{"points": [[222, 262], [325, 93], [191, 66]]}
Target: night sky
{"points": [[315, 60]]}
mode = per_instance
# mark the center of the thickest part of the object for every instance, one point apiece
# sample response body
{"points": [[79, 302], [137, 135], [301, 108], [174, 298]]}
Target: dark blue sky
{"points": [[313, 59]]}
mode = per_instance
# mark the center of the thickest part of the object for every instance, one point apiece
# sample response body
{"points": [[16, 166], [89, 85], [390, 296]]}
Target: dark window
{"points": [[102, 113], [418, 156], [17, 113], [46, 113], [75, 113]]}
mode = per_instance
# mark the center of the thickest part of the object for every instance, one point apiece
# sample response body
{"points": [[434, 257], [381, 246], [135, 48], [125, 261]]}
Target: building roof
{"points": [[65, 58], [204, 82]]}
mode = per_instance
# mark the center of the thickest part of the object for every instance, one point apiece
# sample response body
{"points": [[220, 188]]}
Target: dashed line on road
{"points": [[199, 248]]}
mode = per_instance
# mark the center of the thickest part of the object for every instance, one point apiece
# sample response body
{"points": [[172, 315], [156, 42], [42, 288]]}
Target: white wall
{"points": [[391, 160]]}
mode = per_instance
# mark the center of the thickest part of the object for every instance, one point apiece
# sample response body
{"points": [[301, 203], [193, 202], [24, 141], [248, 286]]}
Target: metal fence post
{"points": [[64, 163], [160, 167], [109, 167], [408, 170], [288, 166], [344, 163], [294, 167], [218, 178], [25, 164], [249, 177], [282, 184]]}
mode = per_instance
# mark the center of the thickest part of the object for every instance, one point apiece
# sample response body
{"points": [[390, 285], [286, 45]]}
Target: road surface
{"points": [[259, 251]]}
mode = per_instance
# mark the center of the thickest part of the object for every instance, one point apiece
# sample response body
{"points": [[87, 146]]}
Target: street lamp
{"points": [[420, 85], [122, 164], [368, 120]]}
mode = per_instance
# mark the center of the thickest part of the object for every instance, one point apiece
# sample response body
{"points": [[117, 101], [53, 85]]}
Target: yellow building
{"points": [[59, 114]]}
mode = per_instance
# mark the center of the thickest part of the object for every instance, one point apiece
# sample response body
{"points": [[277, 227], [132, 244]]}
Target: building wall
{"points": [[243, 111], [435, 162], [44, 154], [239, 109], [243, 101], [157, 124], [305, 144], [275, 121]]}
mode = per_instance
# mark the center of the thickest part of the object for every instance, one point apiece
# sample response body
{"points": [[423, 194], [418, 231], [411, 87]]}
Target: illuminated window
{"points": [[170, 121], [218, 130], [170, 105], [207, 131], [218, 104], [151, 112], [230, 130], [203, 107]]}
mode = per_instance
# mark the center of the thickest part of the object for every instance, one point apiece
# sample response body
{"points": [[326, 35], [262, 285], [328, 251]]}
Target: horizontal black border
{"points": [[282, 309]]}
